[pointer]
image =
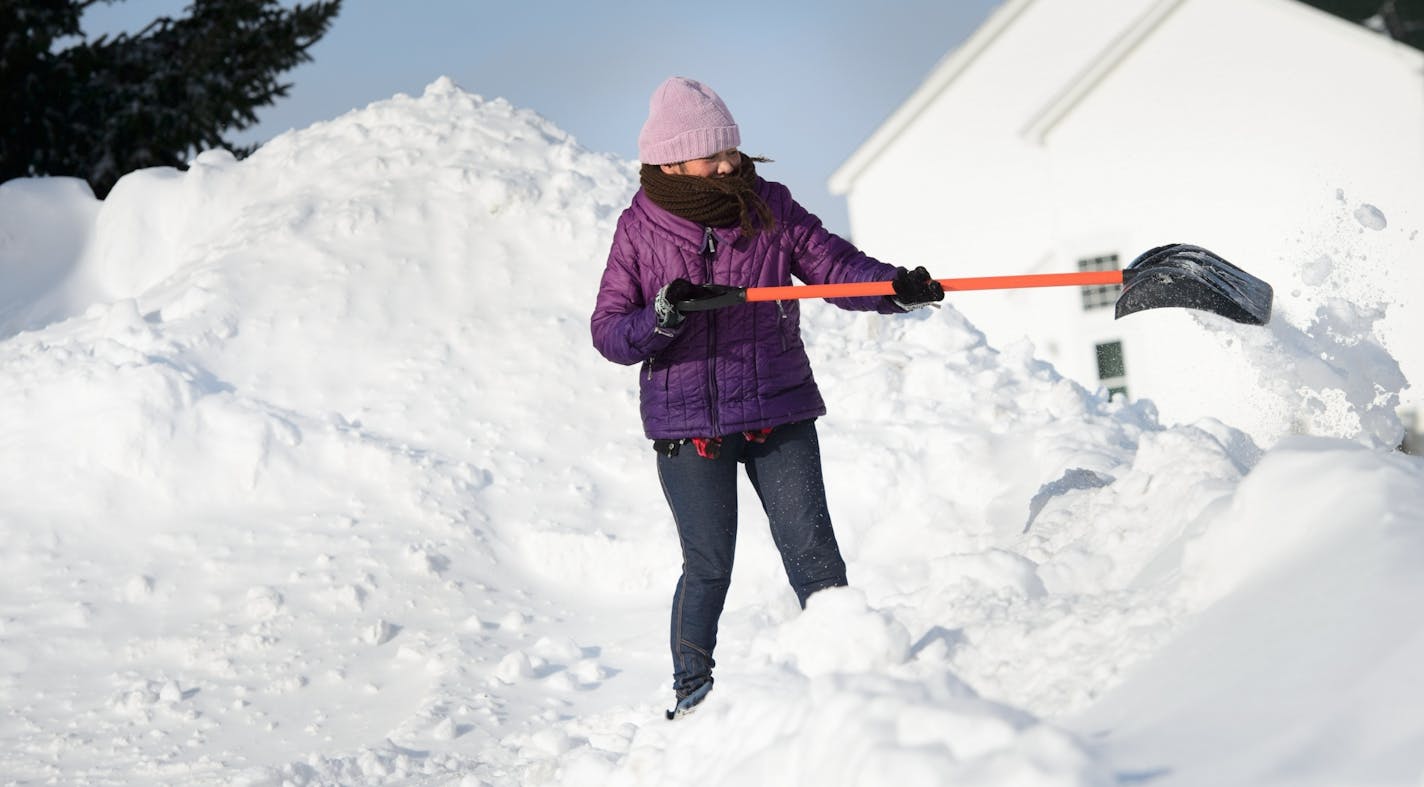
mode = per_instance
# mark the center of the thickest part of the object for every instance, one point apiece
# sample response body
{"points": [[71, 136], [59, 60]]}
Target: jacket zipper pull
{"points": [[709, 242]]}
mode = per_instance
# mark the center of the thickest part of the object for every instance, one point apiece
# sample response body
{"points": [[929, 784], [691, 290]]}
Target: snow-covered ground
{"points": [[310, 475]]}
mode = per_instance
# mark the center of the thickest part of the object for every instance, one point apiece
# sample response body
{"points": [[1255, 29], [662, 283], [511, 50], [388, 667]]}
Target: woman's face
{"points": [[717, 165]]}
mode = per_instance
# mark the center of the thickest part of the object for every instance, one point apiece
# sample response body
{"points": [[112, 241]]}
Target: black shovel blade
{"points": [[1191, 277]]}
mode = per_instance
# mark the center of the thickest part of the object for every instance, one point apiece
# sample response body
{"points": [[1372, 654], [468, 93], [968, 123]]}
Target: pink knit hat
{"points": [[686, 120]]}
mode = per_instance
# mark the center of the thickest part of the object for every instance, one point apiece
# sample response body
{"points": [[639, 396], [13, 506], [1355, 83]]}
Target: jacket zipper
{"points": [[781, 325], [709, 255], [709, 245]]}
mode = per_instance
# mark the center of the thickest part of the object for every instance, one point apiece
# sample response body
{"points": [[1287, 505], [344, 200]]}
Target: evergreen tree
{"points": [[99, 108], [1403, 20]]}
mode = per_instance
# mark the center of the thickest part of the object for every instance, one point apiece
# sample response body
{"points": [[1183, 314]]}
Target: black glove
{"points": [[673, 293], [915, 288]]}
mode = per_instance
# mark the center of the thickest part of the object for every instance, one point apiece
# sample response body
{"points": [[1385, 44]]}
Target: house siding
{"points": [[1252, 127]]}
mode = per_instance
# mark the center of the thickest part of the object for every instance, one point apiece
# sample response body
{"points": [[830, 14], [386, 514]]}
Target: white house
{"points": [[1069, 134]]}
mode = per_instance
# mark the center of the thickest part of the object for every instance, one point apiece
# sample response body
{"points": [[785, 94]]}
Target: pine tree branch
{"points": [[104, 107]]}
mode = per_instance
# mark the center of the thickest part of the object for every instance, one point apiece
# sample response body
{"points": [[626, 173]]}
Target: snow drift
{"points": [[310, 475]]}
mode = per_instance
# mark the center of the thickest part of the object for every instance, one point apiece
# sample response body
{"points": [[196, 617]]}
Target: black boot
{"points": [[688, 702]]}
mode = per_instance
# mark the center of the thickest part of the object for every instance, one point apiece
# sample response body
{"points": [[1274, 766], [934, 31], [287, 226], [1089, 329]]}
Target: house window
{"points": [[1112, 372], [1101, 295], [1413, 442]]}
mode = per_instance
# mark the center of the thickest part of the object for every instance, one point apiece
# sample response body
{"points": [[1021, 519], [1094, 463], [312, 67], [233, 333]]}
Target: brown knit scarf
{"points": [[715, 202]]}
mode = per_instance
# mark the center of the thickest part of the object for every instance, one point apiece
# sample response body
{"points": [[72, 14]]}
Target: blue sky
{"points": [[806, 81]]}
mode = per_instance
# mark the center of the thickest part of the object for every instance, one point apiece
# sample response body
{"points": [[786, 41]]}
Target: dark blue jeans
{"points": [[785, 471]]}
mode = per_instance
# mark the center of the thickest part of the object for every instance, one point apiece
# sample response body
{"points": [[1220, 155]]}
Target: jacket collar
{"points": [[686, 231]]}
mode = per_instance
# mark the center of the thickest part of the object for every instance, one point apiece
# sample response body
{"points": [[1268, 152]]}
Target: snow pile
{"points": [[310, 475], [1302, 671]]}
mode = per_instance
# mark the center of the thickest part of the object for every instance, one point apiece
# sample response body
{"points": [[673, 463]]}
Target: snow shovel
{"points": [[1177, 274]]}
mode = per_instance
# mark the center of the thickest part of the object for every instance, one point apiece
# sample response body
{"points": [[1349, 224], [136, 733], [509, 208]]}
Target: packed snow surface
{"points": [[310, 475]]}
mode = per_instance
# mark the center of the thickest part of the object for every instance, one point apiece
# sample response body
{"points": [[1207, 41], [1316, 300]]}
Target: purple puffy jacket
{"points": [[733, 369]]}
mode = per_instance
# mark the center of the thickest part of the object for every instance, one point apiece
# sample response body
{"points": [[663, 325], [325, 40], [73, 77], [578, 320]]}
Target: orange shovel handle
{"points": [[854, 289]]}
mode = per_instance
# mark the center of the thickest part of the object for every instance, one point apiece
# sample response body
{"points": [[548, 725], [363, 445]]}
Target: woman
{"points": [[729, 386]]}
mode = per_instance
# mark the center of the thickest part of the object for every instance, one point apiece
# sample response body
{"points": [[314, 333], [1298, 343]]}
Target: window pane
{"points": [[1110, 363], [1099, 296]]}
